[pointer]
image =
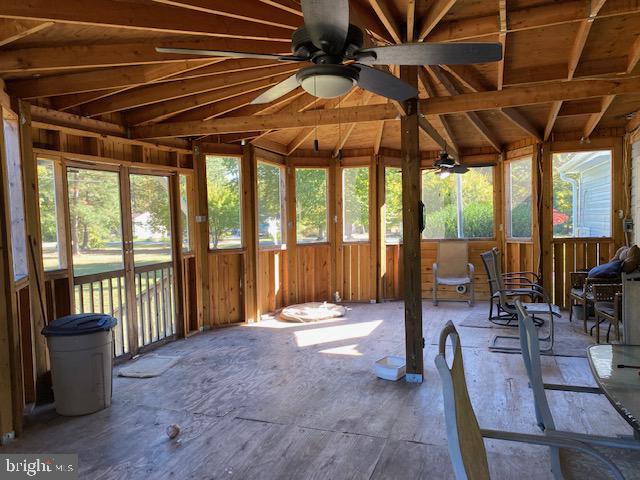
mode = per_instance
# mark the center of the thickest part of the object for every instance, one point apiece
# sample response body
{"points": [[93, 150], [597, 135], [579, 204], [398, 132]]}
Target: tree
{"points": [[393, 202], [355, 188], [223, 198], [46, 191], [269, 202], [150, 194], [311, 203]]}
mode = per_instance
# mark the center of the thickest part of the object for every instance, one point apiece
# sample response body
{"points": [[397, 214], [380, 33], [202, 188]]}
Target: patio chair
{"points": [[452, 268], [630, 452], [607, 307], [512, 280], [506, 297], [465, 437], [581, 293]]}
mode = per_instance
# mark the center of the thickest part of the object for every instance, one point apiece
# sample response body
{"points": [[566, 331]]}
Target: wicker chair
{"points": [[607, 306], [582, 292]]}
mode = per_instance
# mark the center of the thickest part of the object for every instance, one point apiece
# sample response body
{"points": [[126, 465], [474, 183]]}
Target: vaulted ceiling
{"points": [[97, 58]]}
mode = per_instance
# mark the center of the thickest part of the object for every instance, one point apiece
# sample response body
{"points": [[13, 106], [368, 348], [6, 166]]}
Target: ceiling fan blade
{"points": [[226, 53], [384, 84], [327, 22], [431, 54], [459, 169], [277, 91]]}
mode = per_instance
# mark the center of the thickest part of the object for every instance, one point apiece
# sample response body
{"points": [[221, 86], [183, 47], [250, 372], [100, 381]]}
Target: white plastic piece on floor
{"points": [[311, 312], [391, 368]]}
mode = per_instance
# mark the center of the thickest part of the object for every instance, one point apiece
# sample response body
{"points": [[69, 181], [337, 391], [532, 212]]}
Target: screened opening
{"points": [[311, 205], [519, 178], [51, 234], [270, 204], [184, 213], [223, 202], [582, 194], [355, 204], [458, 206], [393, 205]]}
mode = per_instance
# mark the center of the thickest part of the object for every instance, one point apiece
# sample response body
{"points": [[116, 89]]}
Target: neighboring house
{"points": [[142, 227], [589, 174]]}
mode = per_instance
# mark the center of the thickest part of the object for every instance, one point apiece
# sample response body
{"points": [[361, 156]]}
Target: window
{"points": [[393, 205], [582, 194], [355, 204], [311, 205], [49, 228], [16, 200], [270, 204], [459, 206], [519, 198], [223, 200], [184, 213]]}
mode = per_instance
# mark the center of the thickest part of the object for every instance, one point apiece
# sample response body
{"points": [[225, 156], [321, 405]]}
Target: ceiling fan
{"points": [[445, 165], [335, 48]]}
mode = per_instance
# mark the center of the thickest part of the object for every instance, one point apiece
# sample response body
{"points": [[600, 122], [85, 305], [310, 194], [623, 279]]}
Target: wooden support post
{"points": [[546, 219], [410, 163], [536, 193], [250, 229], [290, 215], [176, 246], [201, 237], [380, 212], [37, 295], [375, 226], [11, 384], [332, 226]]}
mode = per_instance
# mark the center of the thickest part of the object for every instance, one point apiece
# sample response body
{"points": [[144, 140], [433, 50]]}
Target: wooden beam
{"points": [[473, 117], [530, 95], [551, 119], [469, 76], [387, 19], [502, 38], [344, 137], [527, 18], [178, 258], [437, 10], [634, 55], [41, 59], [131, 15], [163, 110], [201, 237], [595, 118], [423, 79], [181, 88], [411, 20], [258, 13], [250, 234], [378, 138], [12, 30], [287, 5], [522, 122], [412, 265]]}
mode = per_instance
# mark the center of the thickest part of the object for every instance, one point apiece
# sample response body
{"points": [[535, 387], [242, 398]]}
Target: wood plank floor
{"points": [[293, 401]]}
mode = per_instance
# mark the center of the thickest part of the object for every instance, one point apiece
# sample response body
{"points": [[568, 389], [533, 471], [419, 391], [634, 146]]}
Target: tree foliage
{"points": [[223, 199], [355, 191], [311, 204]]}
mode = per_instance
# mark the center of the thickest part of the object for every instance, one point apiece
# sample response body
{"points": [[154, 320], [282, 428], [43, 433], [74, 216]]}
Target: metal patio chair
{"points": [[506, 297], [466, 438], [453, 268]]}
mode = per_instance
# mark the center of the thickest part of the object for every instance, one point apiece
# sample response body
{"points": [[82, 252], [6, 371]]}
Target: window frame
{"points": [[342, 205], [495, 202], [577, 148], [327, 204], [284, 219], [507, 197], [242, 246], [190, 208], [59, 191]]}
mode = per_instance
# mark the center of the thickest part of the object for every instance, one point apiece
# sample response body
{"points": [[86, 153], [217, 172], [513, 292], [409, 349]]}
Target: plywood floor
{"points": [[300, 401]]}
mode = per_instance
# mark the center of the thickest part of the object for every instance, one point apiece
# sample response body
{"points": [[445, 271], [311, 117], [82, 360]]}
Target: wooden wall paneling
{"points": [[35, 264], [250, 235], [292, 243], [11, 384], [201, 239], [26, 339], [176, 243], [227, 276], [414, 341]]}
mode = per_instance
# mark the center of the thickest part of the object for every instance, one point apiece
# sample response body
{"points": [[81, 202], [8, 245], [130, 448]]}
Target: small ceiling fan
{"points": [[445, 165], [335, 48]]}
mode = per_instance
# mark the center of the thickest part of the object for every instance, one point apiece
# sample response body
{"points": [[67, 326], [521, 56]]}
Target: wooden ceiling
{"points": [[97, 58]]}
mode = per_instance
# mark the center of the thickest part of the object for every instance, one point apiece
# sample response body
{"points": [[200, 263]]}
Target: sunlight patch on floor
{"points": [[349, 350], [317, 336]]}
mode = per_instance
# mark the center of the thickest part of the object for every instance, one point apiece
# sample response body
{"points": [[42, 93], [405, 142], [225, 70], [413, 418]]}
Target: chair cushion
{"points": [[453, 280], [607, 270], [604, 307], [631, 260], [620, 253]]}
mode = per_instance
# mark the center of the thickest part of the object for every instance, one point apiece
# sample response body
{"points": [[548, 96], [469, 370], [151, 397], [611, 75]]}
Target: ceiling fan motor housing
{"points": [[301, 45]]}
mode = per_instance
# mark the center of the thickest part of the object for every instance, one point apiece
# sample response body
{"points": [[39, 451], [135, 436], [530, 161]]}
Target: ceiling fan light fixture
{"points": [[443, 173], [327, 81]]}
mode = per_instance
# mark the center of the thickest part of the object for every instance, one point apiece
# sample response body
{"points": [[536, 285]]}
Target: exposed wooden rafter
{"points": [[386, 17], [437, 10], [423, 80], [12, 30], [502, 38]]}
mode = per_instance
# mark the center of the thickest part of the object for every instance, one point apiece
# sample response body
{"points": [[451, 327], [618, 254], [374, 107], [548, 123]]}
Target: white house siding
{"points": [[596, 201], [635, 191]]}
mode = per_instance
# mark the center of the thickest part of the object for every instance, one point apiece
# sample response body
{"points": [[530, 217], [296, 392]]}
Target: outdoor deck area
{"points": [[282, 400]]}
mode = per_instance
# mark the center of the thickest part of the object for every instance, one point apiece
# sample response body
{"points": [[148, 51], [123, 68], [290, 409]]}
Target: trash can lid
{"points": [[80, 324]]}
